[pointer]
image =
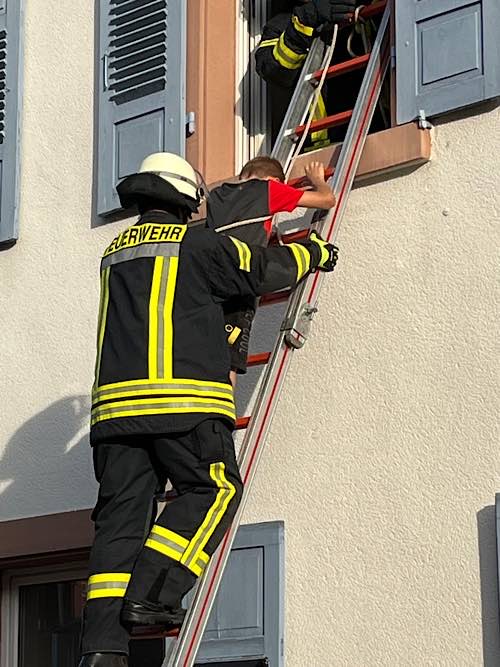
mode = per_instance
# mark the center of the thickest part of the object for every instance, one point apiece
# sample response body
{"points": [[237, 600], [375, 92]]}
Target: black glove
{"points": [[326, 253], [333, 11]]}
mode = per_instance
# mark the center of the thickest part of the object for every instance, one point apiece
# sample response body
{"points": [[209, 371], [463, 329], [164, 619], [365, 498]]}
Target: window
{"points": [[446, 55], [142, 63], [42, 610], [251, 104], [42, 618], [10, 107], [261, 107]]}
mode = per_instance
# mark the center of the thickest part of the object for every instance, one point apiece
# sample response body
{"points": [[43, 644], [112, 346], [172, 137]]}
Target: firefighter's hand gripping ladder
{"points": [[182, 651]]}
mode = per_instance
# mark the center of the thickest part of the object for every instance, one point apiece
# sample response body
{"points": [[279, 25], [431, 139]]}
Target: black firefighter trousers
{"points": [[144, 559]]}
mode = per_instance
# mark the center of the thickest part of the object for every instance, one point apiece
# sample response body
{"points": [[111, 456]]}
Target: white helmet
{"points": [[173, 169]]}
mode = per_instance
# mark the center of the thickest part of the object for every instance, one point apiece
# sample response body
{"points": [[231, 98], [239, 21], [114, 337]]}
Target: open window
{"points": [[261, 107], [445, 55]]}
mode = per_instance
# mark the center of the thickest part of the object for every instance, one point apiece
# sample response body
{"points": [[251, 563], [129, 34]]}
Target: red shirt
{"points": [[282, 197]]}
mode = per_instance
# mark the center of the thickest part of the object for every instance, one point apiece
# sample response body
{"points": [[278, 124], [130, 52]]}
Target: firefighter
{"points": [[286, 39], [162, 403]]}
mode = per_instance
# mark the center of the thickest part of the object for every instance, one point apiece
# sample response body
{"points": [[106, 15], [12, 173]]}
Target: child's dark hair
{"points": [[263, 167]]}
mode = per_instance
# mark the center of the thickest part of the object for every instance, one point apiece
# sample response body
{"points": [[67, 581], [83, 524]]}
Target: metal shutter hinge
{"points": [[298, 326], [190, 123], [423, 123], [393, 57]]}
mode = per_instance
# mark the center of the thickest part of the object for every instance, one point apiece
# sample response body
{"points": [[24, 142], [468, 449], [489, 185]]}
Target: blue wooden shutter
{"points": [[497, 521], [447, 55], [247, 617], [10, 95], [142, 88]]}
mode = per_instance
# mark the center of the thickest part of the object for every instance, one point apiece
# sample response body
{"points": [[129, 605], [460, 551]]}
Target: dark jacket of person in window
{"points": [[285, 42]]}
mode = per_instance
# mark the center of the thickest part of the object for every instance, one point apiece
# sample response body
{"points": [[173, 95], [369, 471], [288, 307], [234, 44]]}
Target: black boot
{"points": [[104, 660], [147, 613]]}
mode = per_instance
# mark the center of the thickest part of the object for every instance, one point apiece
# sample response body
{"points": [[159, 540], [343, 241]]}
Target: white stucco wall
{"points": [[383, 456], [49, 290]]}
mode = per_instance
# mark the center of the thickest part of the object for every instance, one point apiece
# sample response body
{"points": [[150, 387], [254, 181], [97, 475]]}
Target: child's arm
{"points": [[321, 196]]}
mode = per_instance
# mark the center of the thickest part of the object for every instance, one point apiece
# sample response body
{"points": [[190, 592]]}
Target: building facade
{"points": [[370, 531]]}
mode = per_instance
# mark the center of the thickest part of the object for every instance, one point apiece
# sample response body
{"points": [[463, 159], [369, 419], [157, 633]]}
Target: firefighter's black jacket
{"points": [[162, 358], [283, 48], [287, 37]]}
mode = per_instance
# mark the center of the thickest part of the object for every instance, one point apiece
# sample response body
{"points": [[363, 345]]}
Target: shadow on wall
{"points": [[47, 468], [47, 464], [488, 572]]}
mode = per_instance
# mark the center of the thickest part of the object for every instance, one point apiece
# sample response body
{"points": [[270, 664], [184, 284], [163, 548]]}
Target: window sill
{"points": [[394, 150]]}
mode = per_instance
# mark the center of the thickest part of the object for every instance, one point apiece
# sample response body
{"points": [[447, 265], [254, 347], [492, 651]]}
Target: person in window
{"points": [[285, 42], [162, 402], [244, 210]]}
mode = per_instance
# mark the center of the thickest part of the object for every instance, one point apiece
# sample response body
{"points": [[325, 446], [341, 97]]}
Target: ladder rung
{"points": [[343, 68], [147, 633], [330, 121], [274, 297], [242, 423], [299, 235], [258, 359], [374, 9]]}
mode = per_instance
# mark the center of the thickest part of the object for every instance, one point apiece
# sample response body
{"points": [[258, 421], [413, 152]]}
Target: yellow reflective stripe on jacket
{"points": [[175, 383], [302, 258], [244, 253], [213, 516], [286, 57], [159, 406], [161, 303], [168, 307], [107, 585], [103, 313], [171, 544], [320, 113], [268, 42], [160, 390], [300, 27], [155, 316]]}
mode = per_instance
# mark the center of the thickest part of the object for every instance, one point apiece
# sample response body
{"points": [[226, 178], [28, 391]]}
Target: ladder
{"points": [[303, 300]]}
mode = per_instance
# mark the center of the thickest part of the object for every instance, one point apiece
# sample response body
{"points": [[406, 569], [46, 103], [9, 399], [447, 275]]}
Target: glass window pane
{"points": [[49, 623], [49, 627]]}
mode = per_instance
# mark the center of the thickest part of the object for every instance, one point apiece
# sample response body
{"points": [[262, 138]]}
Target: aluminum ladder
{"points": [[183, 650]]}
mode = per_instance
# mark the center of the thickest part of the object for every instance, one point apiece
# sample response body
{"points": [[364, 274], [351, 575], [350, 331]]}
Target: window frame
{"points": [[251, 133], [12, 580]]}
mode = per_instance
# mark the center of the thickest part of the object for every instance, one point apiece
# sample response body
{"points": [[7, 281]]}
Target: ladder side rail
{"points": [[300, 102], [345, 171], [185, 648]]}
